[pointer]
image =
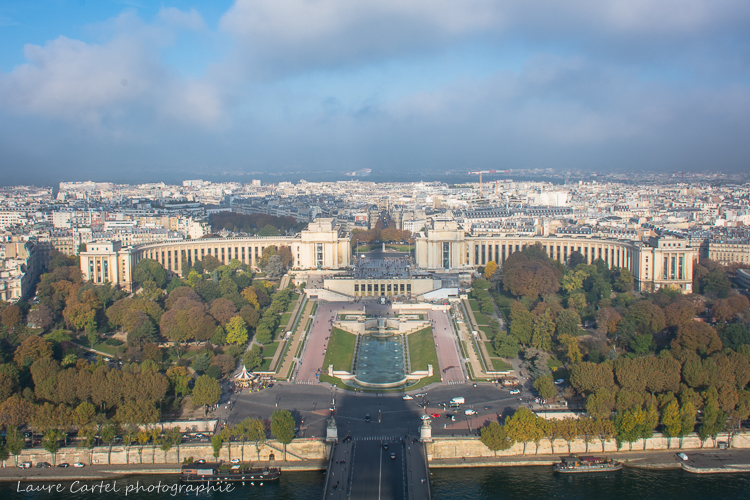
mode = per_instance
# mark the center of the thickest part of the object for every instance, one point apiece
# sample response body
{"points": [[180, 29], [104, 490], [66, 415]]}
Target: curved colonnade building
{"points": [[323, 245], [443, 247]]}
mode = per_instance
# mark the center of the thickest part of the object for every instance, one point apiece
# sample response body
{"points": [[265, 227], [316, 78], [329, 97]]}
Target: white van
{"points": [[459, 400]]}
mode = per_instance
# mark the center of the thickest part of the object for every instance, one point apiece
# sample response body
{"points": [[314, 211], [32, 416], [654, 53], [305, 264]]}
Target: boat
{"points": [[208, 472], [574, 464]]}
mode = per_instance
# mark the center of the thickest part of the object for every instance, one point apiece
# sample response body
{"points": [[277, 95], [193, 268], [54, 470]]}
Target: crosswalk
{"points": [[378, 438], [455, 382], [304, 382]]}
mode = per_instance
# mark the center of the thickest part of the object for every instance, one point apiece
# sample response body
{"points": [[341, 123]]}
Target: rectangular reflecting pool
{"points": [[380, 361]]}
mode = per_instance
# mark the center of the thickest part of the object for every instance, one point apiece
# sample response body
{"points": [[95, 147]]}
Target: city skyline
{"points": [[173, 90]]}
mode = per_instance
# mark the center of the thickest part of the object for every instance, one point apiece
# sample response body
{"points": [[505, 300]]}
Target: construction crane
{"points": [[480, 172]]}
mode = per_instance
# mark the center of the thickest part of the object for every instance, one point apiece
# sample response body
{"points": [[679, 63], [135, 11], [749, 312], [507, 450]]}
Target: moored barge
{"points": [[215, 472], [574, 464]]}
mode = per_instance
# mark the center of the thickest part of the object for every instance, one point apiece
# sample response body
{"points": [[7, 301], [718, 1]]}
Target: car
{"points": [[393, 456], [201, 461], [682, 456], [367, 418], [199, 436], [559, 381], [515, 391], [425, 417], [235, 460], [24, 465], [235, 467], [487, 407], [385, 446], [435, 415], [79, 465], [43, 465], [469, 411], [63, 465], [443, 404], [421, 395], [474, 384], [407, 397]]}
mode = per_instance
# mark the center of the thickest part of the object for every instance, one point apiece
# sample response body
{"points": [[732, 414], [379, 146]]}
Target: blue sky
{"points": [[129, 90]]}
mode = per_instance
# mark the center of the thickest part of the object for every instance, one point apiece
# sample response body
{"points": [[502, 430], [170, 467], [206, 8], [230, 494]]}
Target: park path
{"points": [[464, 334], [289, 324], [297, 337]]}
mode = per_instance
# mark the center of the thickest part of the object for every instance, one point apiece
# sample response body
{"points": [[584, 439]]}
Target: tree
{"points": [[713, 421], [236, 331], [568, 429], [568, 323], [573, 280], [12, 317], [30, 350], [671, 422], [223, 310], [149, 270], [589, 377], [490, 269], [495, 437], [506, 346], [629, 426], [51, 443], [545, 386], [521, 323], [543, 328], [14, 441], [282, 427], [688, 420], [523, 427], [42, 317], [206, 391], [275, 268], [600, 404], [575, 258], [716, 283], [216, 443], [253, 358], [623, 279], [256, 432], [698, 336], [108, 434]]}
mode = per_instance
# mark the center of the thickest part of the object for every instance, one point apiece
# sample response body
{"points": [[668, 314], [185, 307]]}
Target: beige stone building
{"points": [[663, 261], [726, 252], [323, 245]]}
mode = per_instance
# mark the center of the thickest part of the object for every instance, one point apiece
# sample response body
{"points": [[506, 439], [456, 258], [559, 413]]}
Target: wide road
{"points": [[449, 357]]}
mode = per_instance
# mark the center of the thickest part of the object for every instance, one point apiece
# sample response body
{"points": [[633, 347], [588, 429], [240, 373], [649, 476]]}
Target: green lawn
{"points": [[270, 349], [554, 363], [285, 319], [474, 303], [422, 350], [490, 349], [264, 366], [482, 319], [500, 365], [487, 332], [340, 350], [400, 248], [109, 349]]}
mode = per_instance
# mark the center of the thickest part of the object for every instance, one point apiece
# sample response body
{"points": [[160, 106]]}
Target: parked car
{"points": [[515, 391], [559, 381], [79, 464], [235, 460], [470, 411], [24, 465], [407, 397], [201, 461], [63, 465], [43, 465], [682, 456]]}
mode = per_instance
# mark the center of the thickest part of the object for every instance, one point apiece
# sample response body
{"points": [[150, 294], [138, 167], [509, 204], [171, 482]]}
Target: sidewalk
{"points": [[482, 336], [280, 351]]}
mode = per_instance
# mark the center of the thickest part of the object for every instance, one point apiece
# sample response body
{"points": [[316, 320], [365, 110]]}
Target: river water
{"points": [[447, 484]]}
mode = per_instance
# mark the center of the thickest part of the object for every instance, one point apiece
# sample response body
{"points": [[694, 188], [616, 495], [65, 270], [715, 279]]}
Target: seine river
{"points": [[447, 484]]}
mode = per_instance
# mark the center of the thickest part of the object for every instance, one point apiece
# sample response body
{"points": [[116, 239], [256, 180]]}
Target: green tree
{"points": [[713, 421], [629, 426], [600, 404], [282, 427], [206, 391], [687, 420], [568, 323], [495, 437], [51, 443], [545, 386], [236, 331], [216, 443], [623, 279], [524, 426], [108, 435], [14, 442], [253, 358], [256, 432], [716, 283], [149, 270], [521, 323], [543, 328], [671, 421]]}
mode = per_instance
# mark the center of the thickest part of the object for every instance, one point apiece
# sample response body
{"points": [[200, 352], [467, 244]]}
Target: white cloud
{"points": [[175, 17], [121, 79]]}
